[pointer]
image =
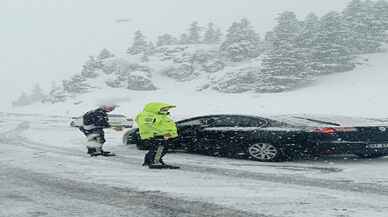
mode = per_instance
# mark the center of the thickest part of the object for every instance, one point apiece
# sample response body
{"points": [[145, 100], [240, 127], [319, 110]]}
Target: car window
{"points": [[238, 121], [194, 122]]}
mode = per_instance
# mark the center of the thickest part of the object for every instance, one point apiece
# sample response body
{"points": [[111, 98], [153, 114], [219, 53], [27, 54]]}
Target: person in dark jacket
{"points": [[94, 123]]}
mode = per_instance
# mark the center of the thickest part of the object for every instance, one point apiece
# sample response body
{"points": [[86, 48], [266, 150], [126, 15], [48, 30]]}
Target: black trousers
{"points": [[156, 151]]}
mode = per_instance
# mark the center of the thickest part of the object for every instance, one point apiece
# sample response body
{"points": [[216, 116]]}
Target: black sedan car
{"points": [[277, 138]]}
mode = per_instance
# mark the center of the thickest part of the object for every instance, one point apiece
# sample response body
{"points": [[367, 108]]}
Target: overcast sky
{"points": [[46, 40]]}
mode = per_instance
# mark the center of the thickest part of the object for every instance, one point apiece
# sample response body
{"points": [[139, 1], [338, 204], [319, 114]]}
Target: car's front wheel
{"points": [[265, 152]]}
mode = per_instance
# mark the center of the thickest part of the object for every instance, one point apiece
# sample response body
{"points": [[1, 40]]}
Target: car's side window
{"points": [[253, 122], [222, 122], [238, 121], [194, 122]]}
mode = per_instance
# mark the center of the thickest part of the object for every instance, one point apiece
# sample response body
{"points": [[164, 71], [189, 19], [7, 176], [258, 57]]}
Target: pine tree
{"points": [[22, 100], [364, 30], [90, 67], [184, 39], [37, 94], [332, 53], [57, 94], [241, 42], [194, 36], [166, 39], [76, 85], [140, 45], [104, 54], [380, 14], [212, 35], [306, 41], [150, 49], [285, 59], [269, 39], [309, 31]]}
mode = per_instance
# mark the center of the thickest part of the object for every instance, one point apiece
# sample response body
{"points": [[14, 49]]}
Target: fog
{"points": [[46, 40]]}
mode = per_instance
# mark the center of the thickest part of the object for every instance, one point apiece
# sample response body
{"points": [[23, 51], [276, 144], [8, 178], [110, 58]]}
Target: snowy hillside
{"points": [[357, 92]]}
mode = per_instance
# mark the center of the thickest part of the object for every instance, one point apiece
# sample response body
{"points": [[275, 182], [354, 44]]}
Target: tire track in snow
{"points": [[124, 200]]}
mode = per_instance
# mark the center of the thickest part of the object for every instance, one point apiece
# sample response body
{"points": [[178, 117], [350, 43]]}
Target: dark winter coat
{"points": [[94, 119]]}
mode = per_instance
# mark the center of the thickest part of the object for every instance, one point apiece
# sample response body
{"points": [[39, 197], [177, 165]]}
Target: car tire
{"points": [[265, 152]]}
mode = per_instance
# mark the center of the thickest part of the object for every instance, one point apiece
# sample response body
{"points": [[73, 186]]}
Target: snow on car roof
{"points": [[328, 120]]}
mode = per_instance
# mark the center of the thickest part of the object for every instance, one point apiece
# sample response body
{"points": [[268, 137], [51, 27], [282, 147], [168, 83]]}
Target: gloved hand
{"points": [[167, 136]]}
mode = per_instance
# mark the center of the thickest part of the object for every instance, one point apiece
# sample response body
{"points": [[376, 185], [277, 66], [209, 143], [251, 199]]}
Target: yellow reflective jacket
{"points": [[152, 123]]}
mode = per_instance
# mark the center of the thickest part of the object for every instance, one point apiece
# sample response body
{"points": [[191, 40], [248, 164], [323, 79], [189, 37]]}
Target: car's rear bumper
{"points": [[347, 147]]}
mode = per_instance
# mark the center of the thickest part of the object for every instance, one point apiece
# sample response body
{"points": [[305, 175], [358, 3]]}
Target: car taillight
{"points": [[325, 130], [332, 130]]}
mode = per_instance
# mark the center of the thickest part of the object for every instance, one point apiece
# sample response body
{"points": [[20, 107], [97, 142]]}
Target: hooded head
{"points": [[158, 108], [108, 107]]}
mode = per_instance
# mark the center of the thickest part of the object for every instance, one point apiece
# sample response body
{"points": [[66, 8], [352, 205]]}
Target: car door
{"points": [[230, 134], [189, 132]]}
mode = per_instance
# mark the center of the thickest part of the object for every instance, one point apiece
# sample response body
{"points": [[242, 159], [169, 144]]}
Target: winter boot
{"points": [[107, 153], [93, 152], [162, 166]]}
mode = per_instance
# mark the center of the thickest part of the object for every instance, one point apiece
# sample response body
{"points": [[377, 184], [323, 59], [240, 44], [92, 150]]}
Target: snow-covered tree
{"points": [[90, 67], [331, 53], [184, 39], [285, 57], [268, 40], [306, 41], [366, 31], [139, 45], [212, 34], [308, 32], [56, 94], [380, 12], [241, 42], [76, 85], [150, 48], [194, 36], [37, 94], [166, 39], [23, 100], [104, 54]]}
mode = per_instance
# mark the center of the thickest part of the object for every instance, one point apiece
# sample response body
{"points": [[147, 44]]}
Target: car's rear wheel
{"points": [[265, 152]]}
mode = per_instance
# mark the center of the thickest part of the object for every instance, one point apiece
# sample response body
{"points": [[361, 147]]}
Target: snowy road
{"points": [[46, 173], [37, 194]]}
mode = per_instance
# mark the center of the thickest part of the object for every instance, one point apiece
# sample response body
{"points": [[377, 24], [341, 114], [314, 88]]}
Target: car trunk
{"points": [[369, 134]]}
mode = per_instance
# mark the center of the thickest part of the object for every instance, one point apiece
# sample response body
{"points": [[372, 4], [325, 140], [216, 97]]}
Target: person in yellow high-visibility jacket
{"points": [[156, 129]]}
